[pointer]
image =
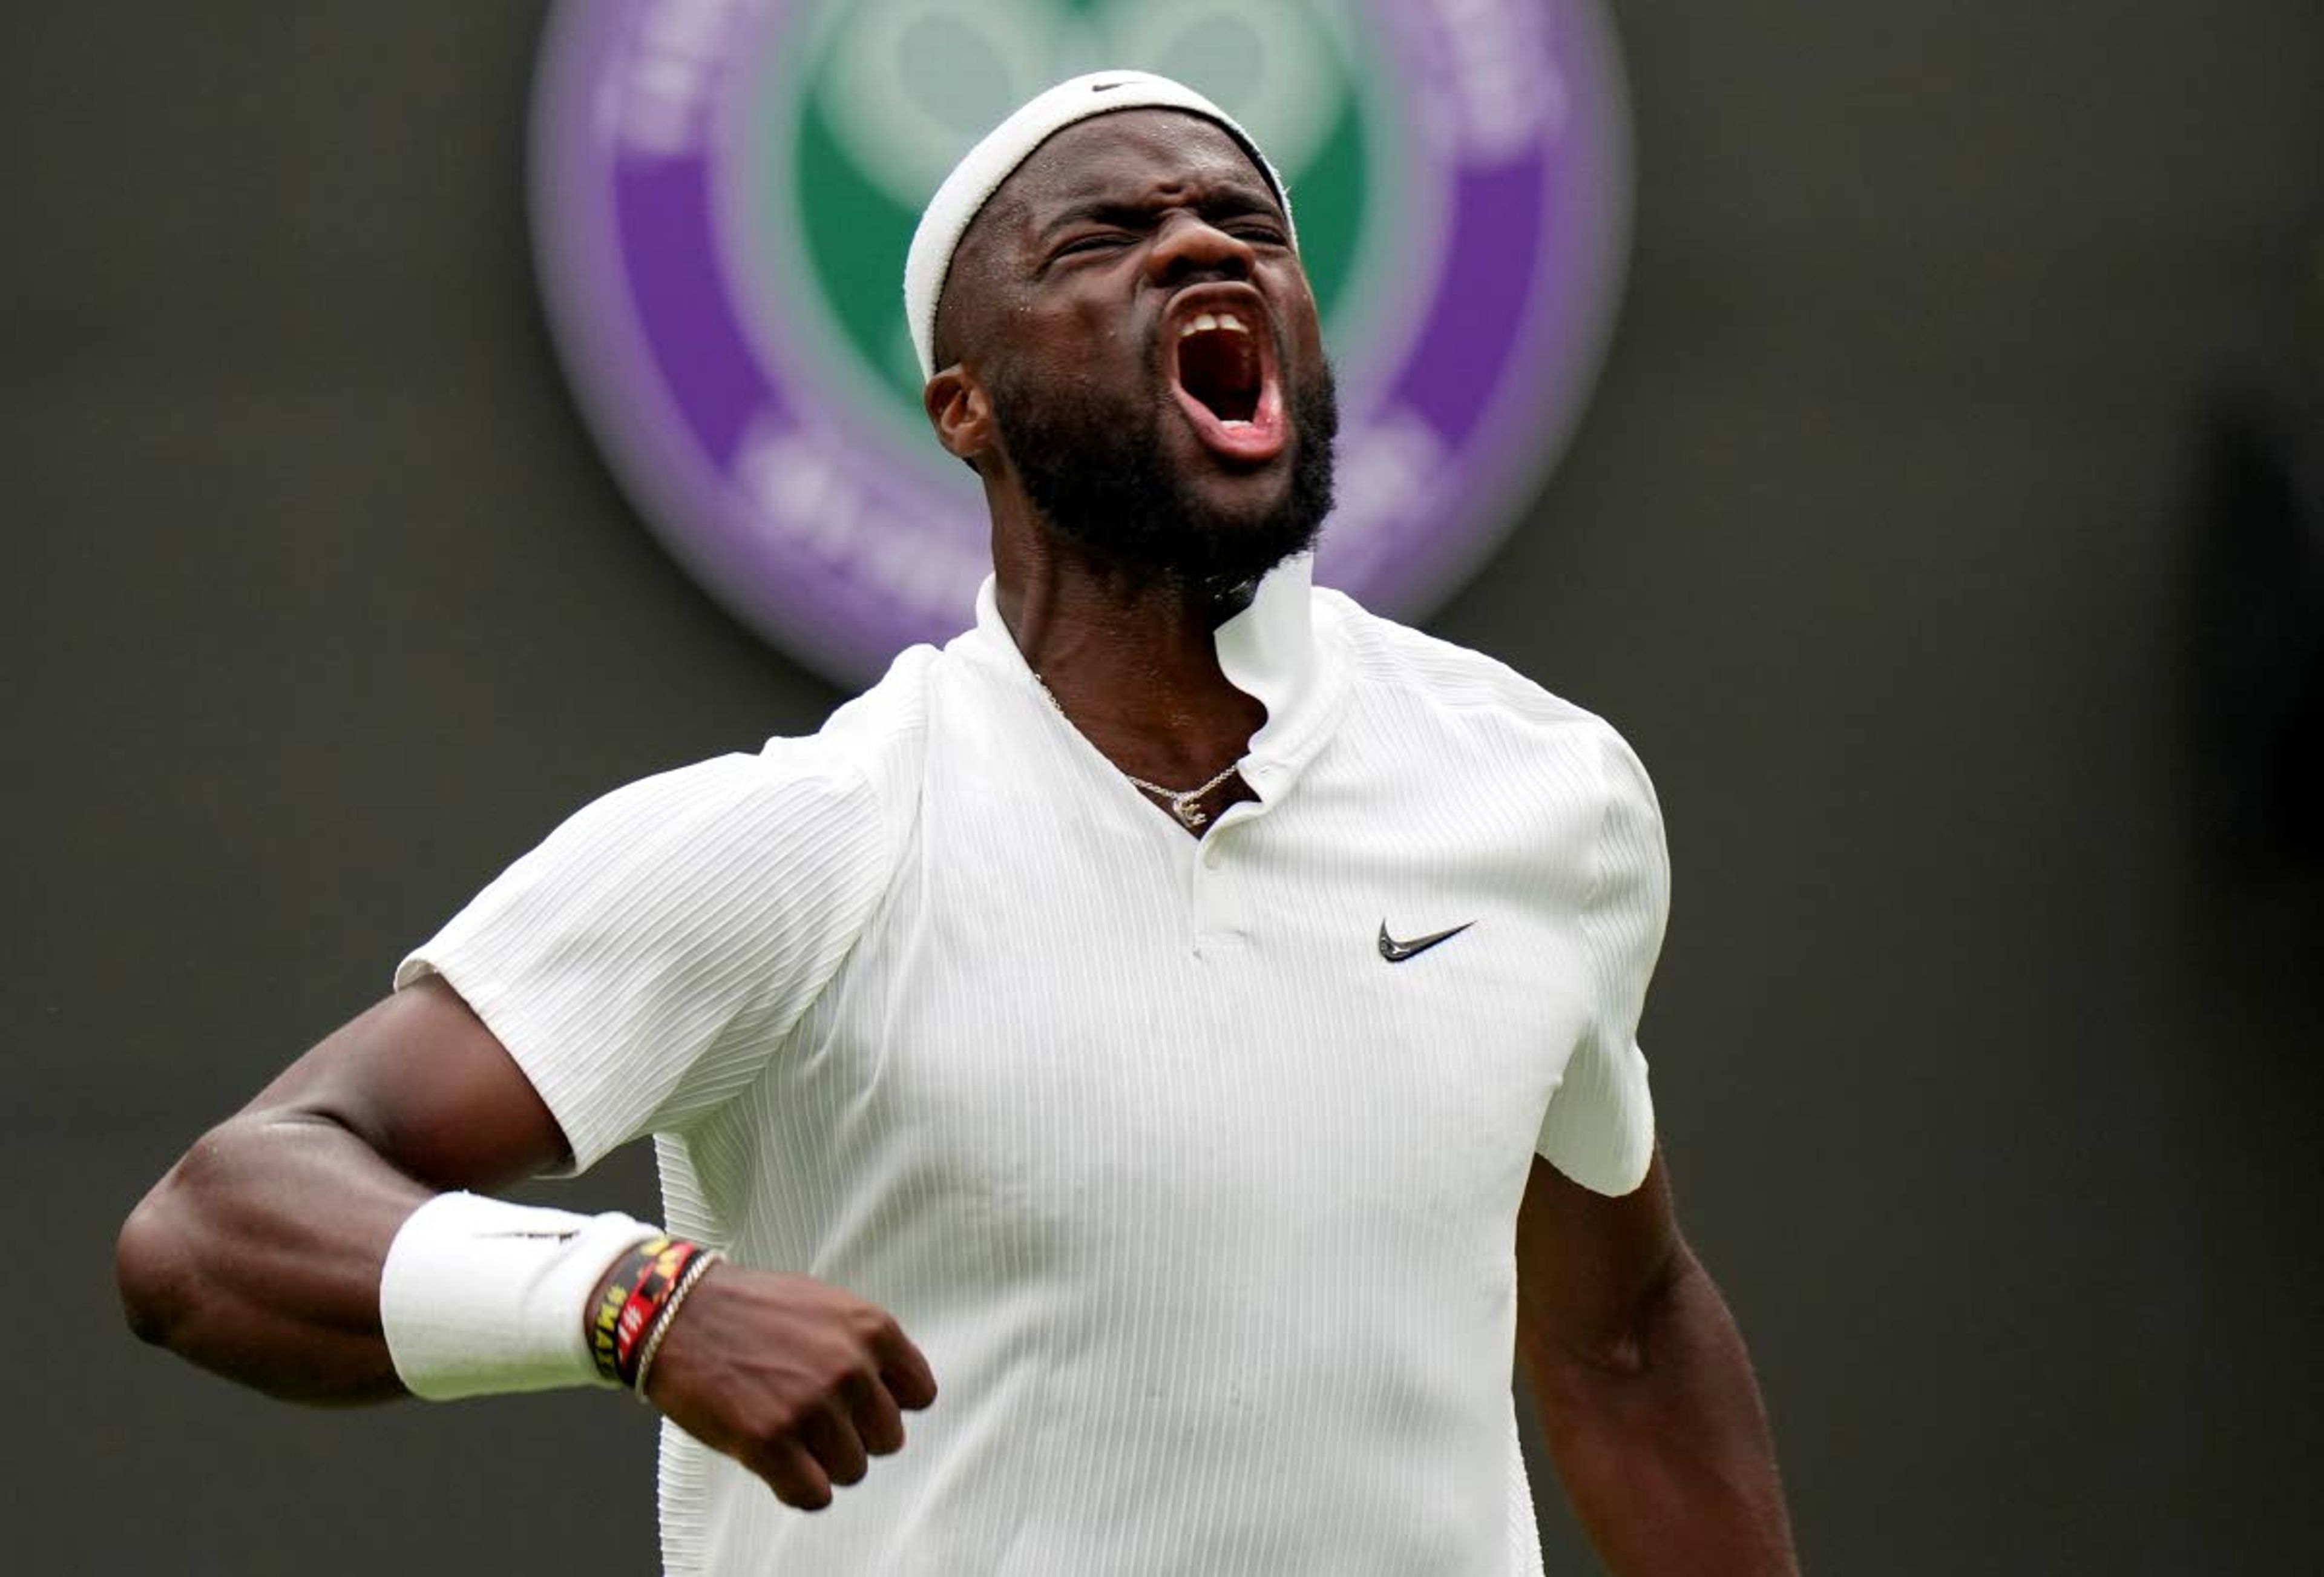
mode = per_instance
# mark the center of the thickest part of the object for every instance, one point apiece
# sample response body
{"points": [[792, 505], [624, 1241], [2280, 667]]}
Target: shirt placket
{"points": [[1214, 884]]}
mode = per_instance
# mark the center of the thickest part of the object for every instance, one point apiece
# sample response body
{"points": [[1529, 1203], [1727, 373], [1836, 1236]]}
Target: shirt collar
{"points": [[1272, 650]]}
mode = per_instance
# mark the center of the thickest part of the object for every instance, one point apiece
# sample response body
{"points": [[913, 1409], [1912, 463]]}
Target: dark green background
{"points": [[1993, 1091]]}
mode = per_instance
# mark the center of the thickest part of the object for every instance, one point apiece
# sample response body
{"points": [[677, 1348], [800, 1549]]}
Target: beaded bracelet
{"points": [[696, 1267]]}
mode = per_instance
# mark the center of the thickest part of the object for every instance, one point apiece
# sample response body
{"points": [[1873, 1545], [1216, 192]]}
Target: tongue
{"points": [[1251, 439]]}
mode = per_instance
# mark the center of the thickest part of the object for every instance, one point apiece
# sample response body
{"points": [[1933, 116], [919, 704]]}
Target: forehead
{"points": [[1129, 157]]}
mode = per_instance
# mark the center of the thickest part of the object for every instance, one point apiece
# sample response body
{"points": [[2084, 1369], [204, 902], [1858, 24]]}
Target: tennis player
{"points": [[1188, 1019]]}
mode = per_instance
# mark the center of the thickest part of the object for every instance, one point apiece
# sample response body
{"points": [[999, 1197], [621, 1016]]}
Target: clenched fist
{"points": [[798, 1381]]}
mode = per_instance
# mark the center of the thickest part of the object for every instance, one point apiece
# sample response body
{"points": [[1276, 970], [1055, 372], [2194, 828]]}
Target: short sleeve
{"points": [[1599, 1130], [642, 963]]}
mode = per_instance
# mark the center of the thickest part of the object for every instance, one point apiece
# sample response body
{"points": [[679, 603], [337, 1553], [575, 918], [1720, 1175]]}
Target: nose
{"points": [[1189, 246]]}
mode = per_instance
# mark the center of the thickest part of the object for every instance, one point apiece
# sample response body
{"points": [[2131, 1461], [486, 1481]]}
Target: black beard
{"points": [[1093, 467]]}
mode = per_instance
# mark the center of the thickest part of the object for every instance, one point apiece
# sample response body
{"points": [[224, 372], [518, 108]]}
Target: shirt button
{"points": [[1210, 852]]}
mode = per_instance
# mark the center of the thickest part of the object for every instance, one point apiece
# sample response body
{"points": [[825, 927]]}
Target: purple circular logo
{"points": [[724, 190]]}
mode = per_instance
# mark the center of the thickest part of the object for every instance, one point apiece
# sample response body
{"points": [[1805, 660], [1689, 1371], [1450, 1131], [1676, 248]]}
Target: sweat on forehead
{"points": [[974, 183]]}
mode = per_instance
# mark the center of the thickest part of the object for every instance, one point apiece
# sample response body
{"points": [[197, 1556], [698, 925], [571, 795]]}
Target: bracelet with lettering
{"points": [[636, 1297]]}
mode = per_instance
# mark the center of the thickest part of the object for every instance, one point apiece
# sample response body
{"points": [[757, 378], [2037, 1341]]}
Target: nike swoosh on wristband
{"points": [[1396, 952]]}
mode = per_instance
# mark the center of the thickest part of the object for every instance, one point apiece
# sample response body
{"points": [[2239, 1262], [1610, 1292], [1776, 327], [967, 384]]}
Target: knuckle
{"points": [[777, 1422]]}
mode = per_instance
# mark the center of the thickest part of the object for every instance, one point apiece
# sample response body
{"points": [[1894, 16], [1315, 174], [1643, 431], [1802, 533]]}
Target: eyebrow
{"points": [[1231, 202]]}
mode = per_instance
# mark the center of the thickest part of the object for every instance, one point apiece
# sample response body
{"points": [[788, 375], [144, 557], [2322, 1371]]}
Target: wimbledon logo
{"points": [[724, 191]]}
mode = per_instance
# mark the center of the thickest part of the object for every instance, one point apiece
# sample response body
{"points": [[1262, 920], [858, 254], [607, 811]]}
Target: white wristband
{"points": [[479, 1296]]}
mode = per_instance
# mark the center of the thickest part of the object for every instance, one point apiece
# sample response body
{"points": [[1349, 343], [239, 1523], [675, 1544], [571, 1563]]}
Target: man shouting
{"points": [[1188, 1018]]}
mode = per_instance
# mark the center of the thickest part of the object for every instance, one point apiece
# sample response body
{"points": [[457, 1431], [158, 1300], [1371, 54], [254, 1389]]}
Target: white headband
{"points": [[979, 174]]}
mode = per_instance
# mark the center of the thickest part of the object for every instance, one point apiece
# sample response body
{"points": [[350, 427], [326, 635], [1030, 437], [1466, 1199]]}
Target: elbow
{"points": [[1629, 1345], [1641, 1341], [157, 1258], [149, 1267]]}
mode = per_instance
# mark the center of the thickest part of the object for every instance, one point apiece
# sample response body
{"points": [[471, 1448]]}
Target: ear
{"points": [[962, 413]]}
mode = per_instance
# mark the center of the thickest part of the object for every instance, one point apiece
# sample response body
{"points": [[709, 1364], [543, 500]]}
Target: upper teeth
{"points": [[1207, 322]]}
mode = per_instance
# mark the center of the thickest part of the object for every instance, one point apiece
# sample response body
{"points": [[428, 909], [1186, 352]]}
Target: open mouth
{"points": [[1223, 364], [1219, 365]]}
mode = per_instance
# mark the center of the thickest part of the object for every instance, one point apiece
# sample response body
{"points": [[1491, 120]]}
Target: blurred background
{"points": [[1944, 531]]}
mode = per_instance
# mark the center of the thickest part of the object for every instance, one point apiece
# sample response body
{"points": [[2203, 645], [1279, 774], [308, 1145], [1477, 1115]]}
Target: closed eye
{"points": [[1103, 241]]}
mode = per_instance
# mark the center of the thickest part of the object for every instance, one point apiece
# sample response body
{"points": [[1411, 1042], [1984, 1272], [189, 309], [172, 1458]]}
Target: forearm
{"points": [[258, 1257], [1662, 1441]]}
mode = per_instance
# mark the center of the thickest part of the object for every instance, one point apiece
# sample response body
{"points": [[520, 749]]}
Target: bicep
{"points": [[258, 1255], [1589, 1263], [423, 1082]]}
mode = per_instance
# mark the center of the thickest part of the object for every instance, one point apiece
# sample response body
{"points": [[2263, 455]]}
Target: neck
{"points": [[1132, 658]]}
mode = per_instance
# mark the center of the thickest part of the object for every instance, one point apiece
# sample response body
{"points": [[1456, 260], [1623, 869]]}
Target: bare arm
{"points": [[259, 1254], [1646, 1393]]}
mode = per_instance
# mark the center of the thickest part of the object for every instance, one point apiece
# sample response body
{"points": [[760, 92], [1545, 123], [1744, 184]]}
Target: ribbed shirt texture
{"points": [[1202, 1208]]}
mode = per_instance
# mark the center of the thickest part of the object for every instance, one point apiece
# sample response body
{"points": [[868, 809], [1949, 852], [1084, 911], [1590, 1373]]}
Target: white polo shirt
{"points": [[1200, 1205]]}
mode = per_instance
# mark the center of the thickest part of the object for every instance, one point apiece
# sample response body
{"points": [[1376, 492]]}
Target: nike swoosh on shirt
{"points": [[1396, 952]]}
